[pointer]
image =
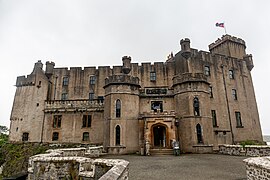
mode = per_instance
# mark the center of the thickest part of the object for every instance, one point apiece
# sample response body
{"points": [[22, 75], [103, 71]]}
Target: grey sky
{"points": [[99, 32]]}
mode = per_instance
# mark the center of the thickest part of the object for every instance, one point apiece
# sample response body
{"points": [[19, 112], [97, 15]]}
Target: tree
{"points": [[3, 129]]}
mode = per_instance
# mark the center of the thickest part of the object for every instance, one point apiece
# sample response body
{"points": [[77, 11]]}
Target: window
{"points": [[64, 96], [238, 119], [231, 74], [199, 133], [85, 136], [92, 80], [207, 70], [214, 118], [153, 76], [100, 99], [118, 108], [65, 81], [55, 136], [86, 121], [211, 91], [57, 121], [196, 105], [234, 94], [156, 105], [25, 137], [91, 96], [117, 135]]}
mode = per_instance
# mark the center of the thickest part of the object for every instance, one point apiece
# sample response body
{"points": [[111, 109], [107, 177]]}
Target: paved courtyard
{"points": [[189, 166]]}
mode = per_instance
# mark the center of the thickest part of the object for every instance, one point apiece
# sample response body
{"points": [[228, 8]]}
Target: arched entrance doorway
{"points": [[159, 136]]}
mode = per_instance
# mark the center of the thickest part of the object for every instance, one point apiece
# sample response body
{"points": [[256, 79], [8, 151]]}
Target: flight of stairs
{"points": [[161, 151]]}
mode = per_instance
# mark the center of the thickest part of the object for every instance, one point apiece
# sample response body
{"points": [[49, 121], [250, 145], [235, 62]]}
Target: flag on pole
{"points": [[220, 25]]}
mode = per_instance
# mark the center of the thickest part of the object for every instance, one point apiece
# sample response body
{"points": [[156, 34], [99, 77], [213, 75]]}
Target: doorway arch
{"points": [[159, 136]]}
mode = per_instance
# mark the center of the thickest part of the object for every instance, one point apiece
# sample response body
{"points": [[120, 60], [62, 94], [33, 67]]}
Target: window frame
{"points": [[153, 76], [199, 134], [214, 118], [86, 121], [65, 81], [25, 136], [55, 136], [118, 107], [207, 70], [117, 135], [160, 105], [211, 92], [92, 80], [64, 96], [238, 118], [57, 121], [86, 136], [91, 96], [234, 94], [231, 74]]}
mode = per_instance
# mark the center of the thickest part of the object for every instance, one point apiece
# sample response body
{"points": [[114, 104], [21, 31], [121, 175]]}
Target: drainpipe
{"points": [[227, 103]]}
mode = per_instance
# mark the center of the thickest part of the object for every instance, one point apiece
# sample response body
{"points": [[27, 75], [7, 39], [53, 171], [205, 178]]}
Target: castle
{"points": [[198, 98]]}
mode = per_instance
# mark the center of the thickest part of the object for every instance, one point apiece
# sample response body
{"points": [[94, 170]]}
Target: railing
{"points": [[73, 104]]}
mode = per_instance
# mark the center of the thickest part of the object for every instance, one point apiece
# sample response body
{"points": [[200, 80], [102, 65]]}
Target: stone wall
{"points": [[70, 164], [248, 150], [258, 168]]}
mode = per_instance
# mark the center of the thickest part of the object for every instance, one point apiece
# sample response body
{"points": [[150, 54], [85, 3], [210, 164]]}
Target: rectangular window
{"points": [[64, 96], [55, 136], [238, 119], [91, 96], [87, 120], [25, 137], [207, 70], [85, 136], [234, 94], [231, 74], [156, 105], [214, 118], [65, 81], [153, 76], [92, 80], [211, 92], [100, 99], [57, 121]]}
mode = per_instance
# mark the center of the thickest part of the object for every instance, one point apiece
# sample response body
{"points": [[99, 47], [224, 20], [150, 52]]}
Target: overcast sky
{"points": [[98, 32]]}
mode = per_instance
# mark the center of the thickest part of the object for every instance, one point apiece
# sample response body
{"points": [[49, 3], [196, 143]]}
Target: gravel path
{"points": [[186, 167]]}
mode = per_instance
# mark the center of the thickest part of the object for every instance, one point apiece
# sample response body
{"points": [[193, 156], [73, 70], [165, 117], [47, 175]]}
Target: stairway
{"points": [[161, 151]]}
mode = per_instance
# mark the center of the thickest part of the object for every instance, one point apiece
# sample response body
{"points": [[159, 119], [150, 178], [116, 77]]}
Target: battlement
{"points": [[122, 79], [25, 81], [225, 38]]}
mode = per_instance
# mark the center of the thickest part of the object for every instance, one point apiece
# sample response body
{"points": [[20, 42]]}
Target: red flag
{"points": [[220, 25]]}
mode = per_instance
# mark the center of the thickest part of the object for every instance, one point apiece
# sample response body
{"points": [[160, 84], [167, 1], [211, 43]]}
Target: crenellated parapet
{"points": [[189, 77], [122, 79], [225, 38], [25, 81]]}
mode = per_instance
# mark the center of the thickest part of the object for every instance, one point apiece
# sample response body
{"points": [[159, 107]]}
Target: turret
{"points": [[49, 68], [126, 64], [38, 66], [249, 61], [185, 48]]}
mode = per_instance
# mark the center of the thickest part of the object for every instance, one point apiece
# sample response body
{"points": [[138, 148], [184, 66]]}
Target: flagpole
{"points": [[225, 28]]}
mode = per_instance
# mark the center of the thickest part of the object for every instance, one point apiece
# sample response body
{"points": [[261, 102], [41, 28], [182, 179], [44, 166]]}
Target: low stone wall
{"points": [[69, 164], [248, 150], [258, 168], [203, 149]]}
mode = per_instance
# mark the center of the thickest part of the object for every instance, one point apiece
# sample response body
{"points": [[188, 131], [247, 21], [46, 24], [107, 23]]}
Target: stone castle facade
{"points": [[198, 98]]}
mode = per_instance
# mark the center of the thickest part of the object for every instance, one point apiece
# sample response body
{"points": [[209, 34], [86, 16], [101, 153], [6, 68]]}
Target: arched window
{"points": [[196, 105], [199, 133], [117, 135], [118, 108]]}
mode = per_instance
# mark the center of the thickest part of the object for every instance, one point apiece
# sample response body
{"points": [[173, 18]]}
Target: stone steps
{"points": [[161, 152]]}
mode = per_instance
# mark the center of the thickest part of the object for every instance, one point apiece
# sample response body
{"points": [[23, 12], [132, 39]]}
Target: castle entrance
{"points": [[159, 135]]}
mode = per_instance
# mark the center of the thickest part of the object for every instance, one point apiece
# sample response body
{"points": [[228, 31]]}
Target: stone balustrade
{"points": [[73, 105], [69, 163]]}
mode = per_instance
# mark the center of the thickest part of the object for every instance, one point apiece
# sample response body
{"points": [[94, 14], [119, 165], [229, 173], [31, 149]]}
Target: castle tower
{"points": [[121, 111], [27, 112], [229, 46]]}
